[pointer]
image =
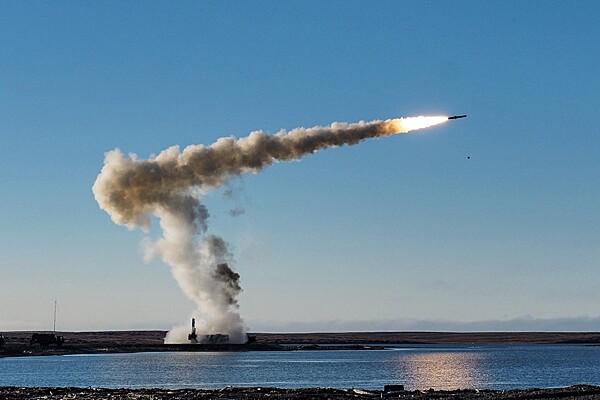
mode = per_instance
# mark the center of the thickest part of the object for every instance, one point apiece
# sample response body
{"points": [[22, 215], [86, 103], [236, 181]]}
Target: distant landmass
{"points": [[155, 337], [18, 344]]}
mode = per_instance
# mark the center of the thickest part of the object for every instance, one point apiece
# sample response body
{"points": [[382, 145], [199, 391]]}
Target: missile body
{"points": [[457, 116]]}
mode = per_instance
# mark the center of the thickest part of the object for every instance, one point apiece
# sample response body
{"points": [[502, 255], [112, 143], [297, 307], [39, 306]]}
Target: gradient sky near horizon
{"points": [[404, 232]]}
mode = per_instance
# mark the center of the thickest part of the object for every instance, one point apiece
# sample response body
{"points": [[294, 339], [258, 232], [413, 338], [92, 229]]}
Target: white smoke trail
{"points": [[167, 186]]}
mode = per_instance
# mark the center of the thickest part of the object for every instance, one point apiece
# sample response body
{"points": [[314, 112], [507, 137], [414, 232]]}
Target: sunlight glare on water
{"points": [[448, 370]]}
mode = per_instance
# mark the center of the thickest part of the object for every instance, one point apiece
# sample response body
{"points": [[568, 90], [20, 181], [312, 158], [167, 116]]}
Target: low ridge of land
{"points": [[432, 337], [155, 337]]}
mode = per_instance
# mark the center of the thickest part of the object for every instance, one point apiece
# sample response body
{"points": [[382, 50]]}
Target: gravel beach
{"points": [[235, 393]]}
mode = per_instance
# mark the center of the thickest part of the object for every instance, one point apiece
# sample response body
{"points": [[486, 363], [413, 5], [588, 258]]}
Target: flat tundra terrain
{"points": [[155, 337], [17, 343]]}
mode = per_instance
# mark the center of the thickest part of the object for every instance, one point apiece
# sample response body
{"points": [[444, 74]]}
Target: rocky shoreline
{"points": [[580, 392]]}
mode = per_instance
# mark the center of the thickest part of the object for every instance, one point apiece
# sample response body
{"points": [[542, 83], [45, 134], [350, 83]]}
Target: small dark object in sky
{"points": [[457, 116], [468, 157]]}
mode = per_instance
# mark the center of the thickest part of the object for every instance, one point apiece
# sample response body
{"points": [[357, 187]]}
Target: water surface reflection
{"points": [[417, 367], [443, 370]]}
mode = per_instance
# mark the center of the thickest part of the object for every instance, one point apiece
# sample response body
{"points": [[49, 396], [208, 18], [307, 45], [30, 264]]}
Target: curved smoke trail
{"points": [[166, 186]]}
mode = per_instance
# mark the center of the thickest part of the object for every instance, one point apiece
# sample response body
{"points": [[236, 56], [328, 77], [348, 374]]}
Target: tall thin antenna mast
{"points": [[54, 327]]}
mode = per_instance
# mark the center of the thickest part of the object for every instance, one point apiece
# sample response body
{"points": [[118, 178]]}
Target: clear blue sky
{"points": [[398, 233]]}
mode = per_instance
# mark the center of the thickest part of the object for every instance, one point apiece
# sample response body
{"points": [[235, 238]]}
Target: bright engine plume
{"points": [[169, 187]]}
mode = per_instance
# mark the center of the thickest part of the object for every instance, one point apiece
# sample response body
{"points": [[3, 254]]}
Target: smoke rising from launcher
{"points": [[169, 187]]}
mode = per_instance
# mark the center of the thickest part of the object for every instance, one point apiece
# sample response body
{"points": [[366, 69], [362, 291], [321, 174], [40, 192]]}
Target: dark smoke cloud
{"points": [[236, 212], [231, 281]]}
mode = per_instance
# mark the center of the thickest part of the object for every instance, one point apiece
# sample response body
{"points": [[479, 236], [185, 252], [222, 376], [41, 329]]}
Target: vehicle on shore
{"points": [[47, 339]]}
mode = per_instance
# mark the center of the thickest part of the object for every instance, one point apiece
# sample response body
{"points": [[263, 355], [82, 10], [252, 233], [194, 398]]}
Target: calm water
{"points": [[447, 367]]}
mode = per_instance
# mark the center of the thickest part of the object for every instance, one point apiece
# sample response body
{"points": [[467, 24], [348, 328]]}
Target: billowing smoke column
{"points": [[169, 186]]}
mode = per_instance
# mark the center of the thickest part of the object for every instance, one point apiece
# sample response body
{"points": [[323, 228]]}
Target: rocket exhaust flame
{"points": [[131, 190]]}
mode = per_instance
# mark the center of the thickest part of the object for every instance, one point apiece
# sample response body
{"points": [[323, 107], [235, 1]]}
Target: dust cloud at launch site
{"points": [[169, 187]]}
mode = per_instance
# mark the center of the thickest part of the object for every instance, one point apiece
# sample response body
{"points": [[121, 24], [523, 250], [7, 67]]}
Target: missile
{"points": [[457, 116]]}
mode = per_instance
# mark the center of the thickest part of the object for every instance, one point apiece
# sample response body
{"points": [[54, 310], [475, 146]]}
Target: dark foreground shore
{"points": [[13, 393]]}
